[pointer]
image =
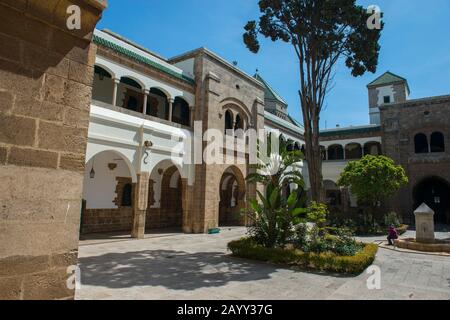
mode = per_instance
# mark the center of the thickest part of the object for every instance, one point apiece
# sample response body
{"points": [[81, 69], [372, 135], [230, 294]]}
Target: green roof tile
{"points": [[269, 92], [139, 58], [387, 78]]}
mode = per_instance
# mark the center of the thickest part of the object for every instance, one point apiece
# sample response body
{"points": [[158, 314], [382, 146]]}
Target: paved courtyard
{"points": [[187, 266]]}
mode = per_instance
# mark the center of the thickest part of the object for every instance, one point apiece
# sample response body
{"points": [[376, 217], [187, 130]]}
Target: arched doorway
{"points": [[232, 198], [108, 188], [435, 192], [165, 200]]}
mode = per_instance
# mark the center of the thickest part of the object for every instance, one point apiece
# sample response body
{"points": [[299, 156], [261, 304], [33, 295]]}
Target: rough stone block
{"points": [[64, 259], [6, 101], [72, 47], [47, 286], [81, 73], [10, 48], [38, 58], [78, 95], [21, 265], [17, 79], [54, 89], [72, 162], [33, 158], [62, 138], [3, 154], [34, 108], [75, 117], [10, 288], [17, 130]]}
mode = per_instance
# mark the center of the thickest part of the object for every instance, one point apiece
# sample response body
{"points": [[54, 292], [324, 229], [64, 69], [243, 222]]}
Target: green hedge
{"points": [[246, 248]]}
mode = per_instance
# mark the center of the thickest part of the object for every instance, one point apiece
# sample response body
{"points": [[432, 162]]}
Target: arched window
{"points": [[335, 152], [421, 143], [127, 195], [101, 73], [228, 120], [353, 151], [372, 148], [180, 112], [437, 142], [239, 124], [132, 96], [158, 104], [102, 88]]}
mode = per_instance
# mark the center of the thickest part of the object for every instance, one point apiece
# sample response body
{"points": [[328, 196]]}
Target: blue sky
{"points": [[415, 44]]}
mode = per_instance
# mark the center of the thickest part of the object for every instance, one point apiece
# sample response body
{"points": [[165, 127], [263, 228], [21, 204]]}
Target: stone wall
{"points": [[107, 220], [219, 86], [400, 123], [45, 91]]}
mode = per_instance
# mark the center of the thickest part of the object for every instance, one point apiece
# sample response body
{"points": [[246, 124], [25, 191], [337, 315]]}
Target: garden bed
{"points": [[246, 248]]}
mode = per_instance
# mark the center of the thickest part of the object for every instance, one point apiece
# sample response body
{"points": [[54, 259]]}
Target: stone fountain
{"points": [[425, 239]]}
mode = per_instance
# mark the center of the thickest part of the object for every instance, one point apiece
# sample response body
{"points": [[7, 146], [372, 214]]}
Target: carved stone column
{"points": [[115, 85], [144, 108], [140, 203], [171, 101]]}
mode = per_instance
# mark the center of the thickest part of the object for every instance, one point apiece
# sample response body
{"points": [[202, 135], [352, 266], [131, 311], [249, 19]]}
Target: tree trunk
{"points": [[314, 159]]}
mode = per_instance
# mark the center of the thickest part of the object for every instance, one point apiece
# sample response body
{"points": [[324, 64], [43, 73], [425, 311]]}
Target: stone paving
{"points": [[198, 267]]}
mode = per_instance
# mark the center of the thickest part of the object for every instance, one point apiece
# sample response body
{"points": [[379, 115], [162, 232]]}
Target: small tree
{"points": [[273, 216], [373, 179], [321, 32]]}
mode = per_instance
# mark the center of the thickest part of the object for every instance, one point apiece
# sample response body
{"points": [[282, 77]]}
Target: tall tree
{"points": [[321, 32]]}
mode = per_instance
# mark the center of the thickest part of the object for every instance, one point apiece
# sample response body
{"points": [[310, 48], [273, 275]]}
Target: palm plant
{"points": [[275, 214]]}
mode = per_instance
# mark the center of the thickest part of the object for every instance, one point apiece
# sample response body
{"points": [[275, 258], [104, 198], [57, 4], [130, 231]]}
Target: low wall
{"points": [[107, 220]]}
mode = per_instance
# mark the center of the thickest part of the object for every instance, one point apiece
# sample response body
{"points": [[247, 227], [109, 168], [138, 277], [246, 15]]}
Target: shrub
{"points": [[325, 261], [392, 219]]}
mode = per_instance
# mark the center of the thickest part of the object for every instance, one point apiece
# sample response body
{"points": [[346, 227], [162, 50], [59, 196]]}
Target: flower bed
{"points": [[246, 248]]}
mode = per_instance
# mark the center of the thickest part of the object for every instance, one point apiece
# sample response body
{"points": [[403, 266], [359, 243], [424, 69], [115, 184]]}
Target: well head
{"points": [[424, 209]]}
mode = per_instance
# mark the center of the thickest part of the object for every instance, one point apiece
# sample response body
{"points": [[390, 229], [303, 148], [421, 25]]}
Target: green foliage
{"points": [[273, 216], [319, 238], [325, 261], [364, 224], [392, 219], [322, 32], [326, 27], [373, 178]]}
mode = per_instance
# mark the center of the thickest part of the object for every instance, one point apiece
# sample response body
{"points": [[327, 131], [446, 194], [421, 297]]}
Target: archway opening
{"points": [[353, 151], [180, 112], [157, 104], [165, 199], [437, 143], [372, 148], [232, 198], [435, 192], [108, 190], [335, 152], [103, 85], [130, 94], [228, 121], [421, 143]]}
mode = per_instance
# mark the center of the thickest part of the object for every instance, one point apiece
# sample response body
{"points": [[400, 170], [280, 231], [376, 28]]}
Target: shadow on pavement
{"points": [[177, 270]]}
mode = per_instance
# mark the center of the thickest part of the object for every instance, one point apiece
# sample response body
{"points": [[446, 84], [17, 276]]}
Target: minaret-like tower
{"points": [[388, 88]]}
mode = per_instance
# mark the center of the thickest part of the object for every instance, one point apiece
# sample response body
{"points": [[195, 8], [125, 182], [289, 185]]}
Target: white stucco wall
{"points": [[99, 192]]}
